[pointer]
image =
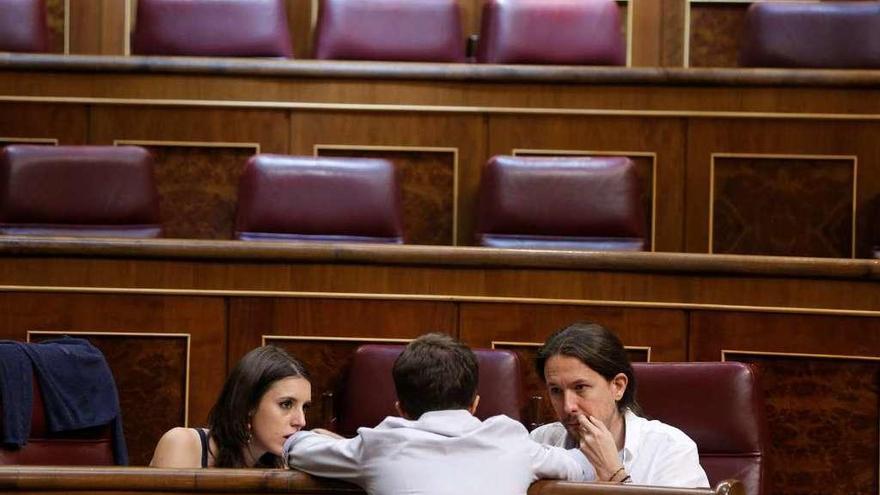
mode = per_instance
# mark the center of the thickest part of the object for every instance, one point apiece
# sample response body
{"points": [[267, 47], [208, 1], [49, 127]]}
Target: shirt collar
{"points": [[632, 435]]}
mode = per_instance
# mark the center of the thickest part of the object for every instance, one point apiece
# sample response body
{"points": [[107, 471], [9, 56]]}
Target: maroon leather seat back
{"points": [[86, 447], [212, 28], [812, 35], [105, 191], [581, 32], [719, 405], [23, 26], [318, 199], [396, 30], [368, 394], [560, 203]]}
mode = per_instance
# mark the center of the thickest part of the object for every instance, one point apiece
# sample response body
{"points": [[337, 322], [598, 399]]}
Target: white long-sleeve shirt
{"points": [[654, 453], [441, 453]]}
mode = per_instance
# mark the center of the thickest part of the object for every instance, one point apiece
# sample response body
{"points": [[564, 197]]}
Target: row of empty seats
{"points": [[583, 32], [525, 202]]}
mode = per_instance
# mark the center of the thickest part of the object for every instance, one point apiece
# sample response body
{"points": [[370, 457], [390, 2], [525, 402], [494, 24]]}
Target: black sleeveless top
{"points": [[203, 436]]}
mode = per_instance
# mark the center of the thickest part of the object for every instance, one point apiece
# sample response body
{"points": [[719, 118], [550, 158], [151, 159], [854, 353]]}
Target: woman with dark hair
{"points": [[262, 403], [592, 388]]}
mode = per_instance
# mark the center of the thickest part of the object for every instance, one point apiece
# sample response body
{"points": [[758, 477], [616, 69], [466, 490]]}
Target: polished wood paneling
{"points": [[66, 123], [715, 32], [55, 20], [595, 135], [151, 370], [427, 190], [783, 206], [198, 189], [97, 26], [820, 377]]}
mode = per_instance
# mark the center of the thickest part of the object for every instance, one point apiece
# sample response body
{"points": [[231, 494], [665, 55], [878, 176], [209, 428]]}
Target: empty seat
{"points": [[812, 35], [575, 32], [212, 28], [720, 406], [590, 203], [104, 191], [394, 30], [368, 394], [319, 199], [23, 26]]}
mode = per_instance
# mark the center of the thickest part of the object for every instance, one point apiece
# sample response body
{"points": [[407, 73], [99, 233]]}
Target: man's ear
{"points": [[400, 410], [473, 408], [618, 386]]}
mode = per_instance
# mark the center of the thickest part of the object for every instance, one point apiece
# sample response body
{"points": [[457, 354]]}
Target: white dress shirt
{"points": [[653, 453], [443, 452]]}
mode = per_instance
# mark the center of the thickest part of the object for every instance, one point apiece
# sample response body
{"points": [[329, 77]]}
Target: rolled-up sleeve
{"points": [[324, 456]]}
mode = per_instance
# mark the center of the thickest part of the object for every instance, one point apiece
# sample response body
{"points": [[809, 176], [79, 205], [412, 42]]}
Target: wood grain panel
{"points": [[55, 20], [66, 123], [783, 206], [299, 19], [715, 32], [362, 129], [665, 137], [820, 410], [427, 188], [822, 406], [781, 137], [351, 320], [151, 379], [198, 189], [141, 367], [97, 27]]}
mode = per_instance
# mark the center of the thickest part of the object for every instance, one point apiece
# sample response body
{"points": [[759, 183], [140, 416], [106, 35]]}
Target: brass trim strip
{"points": [[646, 348], [186, 144], [739, 352], [630, 6], [430, 149], [765, 156], [443, 298], [649, 154], [686, 42], [126, 29], [53, 141], [186, 336], [369, 107], [333, 339]]}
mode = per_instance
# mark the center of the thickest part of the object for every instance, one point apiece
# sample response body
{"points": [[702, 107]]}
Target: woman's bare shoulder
{"points": [[178, 448]]}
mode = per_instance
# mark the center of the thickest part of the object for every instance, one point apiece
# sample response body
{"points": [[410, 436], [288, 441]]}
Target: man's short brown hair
{"points": [[435, 373]]}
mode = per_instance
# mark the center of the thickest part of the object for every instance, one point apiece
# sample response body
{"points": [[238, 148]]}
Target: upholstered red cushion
{"points": [[78, 190], [398, 30], [86, 447], [582, 32], [368, 394], [719, 405], [560, 203], [319, 199], [812, 35], [218, 28], [23, 26]]}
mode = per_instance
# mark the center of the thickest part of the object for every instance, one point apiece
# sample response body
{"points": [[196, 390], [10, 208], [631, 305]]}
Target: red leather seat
{"points": [[319, 199], [576, 32], [560, 203], [86, 447], [104, 191], [212, 28], [368, 394], [719, 405], [812, 35], [394, 30], [23, 26]]}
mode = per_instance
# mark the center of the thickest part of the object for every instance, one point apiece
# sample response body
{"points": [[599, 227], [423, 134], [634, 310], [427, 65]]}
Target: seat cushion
{"points": [[394, 30], [581, 32], [212, 28], [23, 26], [78, 190], [560, 203], [325, 199], [812, 35]]}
